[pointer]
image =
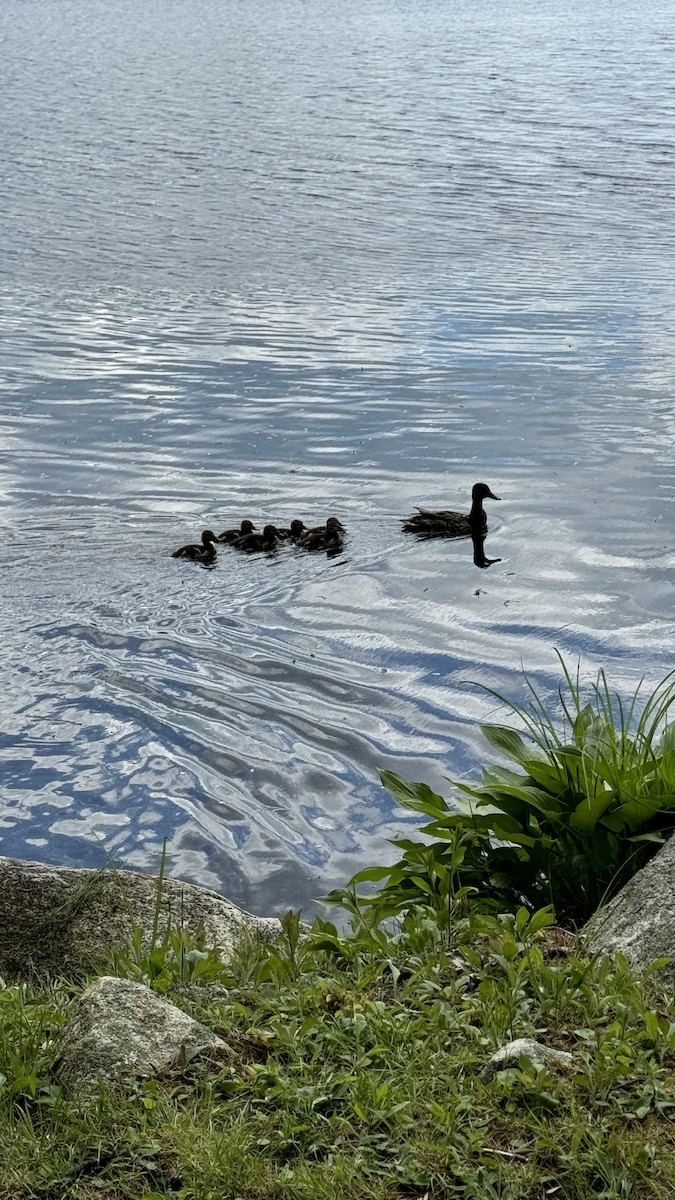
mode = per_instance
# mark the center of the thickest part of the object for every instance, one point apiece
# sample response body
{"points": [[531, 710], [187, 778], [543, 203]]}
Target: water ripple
{"points": [[298, 261]]}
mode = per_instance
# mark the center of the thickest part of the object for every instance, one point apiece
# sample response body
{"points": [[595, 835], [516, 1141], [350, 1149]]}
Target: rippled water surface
{"points": [[293, 259]]}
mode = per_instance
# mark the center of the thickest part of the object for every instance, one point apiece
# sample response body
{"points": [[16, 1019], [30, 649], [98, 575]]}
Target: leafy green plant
{"points": [[29, 1031], [591, 801], [177, 957]]}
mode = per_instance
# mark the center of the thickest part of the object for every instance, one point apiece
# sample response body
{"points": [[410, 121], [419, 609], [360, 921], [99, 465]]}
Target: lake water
{"points": [[295, 258]]}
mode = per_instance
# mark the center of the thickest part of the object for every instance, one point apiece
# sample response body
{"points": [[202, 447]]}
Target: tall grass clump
{"points": [[590, 801]]}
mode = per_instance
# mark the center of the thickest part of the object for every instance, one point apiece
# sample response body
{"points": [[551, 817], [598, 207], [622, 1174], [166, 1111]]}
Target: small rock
{"points": [[509, 1055]]}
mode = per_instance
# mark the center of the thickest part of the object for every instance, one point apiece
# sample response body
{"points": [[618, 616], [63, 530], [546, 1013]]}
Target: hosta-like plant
{"points": [[590, 800]]}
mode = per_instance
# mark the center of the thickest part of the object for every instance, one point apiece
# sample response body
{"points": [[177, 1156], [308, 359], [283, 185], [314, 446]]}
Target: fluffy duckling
{"points": [[254, 542], [328, 537], [231, 535], [293, 532], [201, 552], [443, 523]]}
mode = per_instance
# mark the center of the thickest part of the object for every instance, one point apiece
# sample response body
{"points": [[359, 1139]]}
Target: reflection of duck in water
{"points": [[201, 552], [231, 535], [479, 559], [254, 543], [427, 523], [328, 537]]}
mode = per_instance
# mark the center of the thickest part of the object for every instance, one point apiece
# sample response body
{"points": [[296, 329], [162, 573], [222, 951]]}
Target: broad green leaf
{"points": [[502, 776], [587, 814], [531, 797], [423, 885], [513, 836], [546, 774], [371, 875], [541, 919], [417, 796], [508, 742]]}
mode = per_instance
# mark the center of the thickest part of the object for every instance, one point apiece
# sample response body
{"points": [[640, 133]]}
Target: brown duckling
{"points": [[254, 542], [231, 535], [293, 532], [201, 552], [443, 523], [327, 537]]}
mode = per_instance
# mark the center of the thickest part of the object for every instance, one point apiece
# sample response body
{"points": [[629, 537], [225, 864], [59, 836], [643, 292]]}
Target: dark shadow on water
{"points": [[477, 538], [479, 557]]}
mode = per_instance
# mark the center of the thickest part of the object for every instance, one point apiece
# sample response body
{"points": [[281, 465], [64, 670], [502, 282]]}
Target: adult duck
{"points": [[328, 537], [428, 523], [231, 535], [255, 542], [201, 552]]}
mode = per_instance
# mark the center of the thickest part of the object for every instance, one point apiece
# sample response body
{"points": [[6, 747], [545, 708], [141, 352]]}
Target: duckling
{"points": [[324, 537], [254, 542], [291, 534], [442, 523], [201, 552], [231, 535]]}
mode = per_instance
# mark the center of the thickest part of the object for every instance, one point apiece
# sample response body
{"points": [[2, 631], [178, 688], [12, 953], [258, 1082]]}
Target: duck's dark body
{"points": [[233, 535], [430, 523], [201, 552], [328, 537], [293, 533], [254, 543]]}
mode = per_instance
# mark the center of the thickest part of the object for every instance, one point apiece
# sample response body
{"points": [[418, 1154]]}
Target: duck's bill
{"points": [[493, 497]]}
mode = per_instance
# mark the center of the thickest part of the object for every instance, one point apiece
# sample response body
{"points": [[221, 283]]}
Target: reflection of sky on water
{"points": [[444, 253]]}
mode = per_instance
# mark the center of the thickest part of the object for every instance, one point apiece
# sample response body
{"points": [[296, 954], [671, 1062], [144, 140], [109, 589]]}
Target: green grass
{"points": [[356, 1056], [356, 1074]]}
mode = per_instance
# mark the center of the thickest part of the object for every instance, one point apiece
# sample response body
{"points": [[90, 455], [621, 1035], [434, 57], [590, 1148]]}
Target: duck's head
{"points": [[297, 527], [333, 525], [270, 533], [247, 527], [481, 491], [208, 537]]}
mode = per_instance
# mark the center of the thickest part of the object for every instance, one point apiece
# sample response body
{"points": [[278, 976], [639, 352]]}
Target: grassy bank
{"points": [[356, 1074], [357, 1058]]}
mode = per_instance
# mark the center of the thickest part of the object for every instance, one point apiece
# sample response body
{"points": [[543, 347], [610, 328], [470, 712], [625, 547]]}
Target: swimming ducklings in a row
{"points": [[249, 539], [326, 538]]}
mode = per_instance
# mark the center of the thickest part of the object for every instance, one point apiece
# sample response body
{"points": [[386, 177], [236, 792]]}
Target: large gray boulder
{"points": [[121, 1031], [640, 921], [66, 920]]}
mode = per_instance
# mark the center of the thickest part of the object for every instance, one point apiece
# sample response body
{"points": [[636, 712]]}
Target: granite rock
{"points": [[68, 920], [640, 920], [121, 1031]]}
